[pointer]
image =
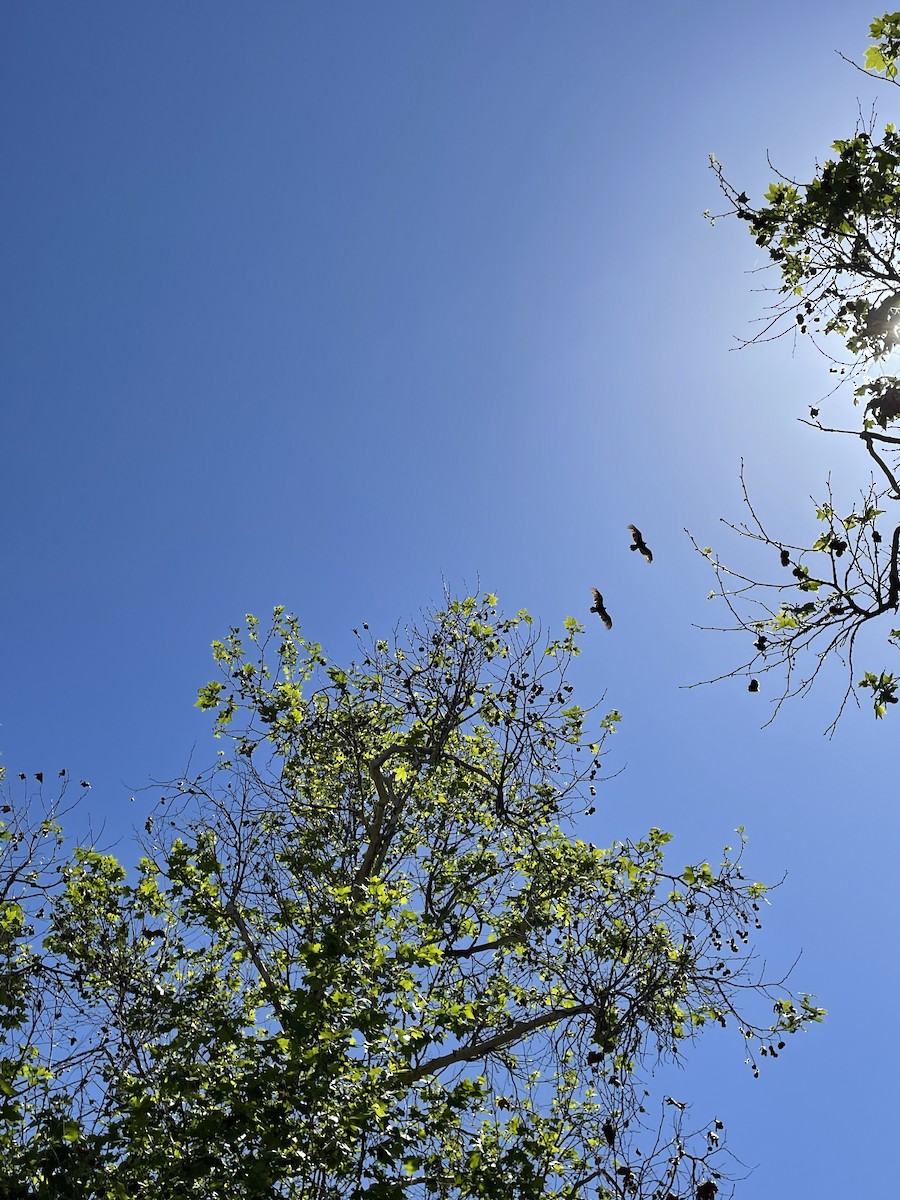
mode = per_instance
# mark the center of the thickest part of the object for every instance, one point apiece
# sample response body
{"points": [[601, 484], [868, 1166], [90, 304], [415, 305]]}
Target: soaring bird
{"points": [[600, 610], [638, 543]]}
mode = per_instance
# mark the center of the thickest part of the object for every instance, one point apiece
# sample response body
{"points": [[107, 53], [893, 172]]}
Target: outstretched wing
{"points": [[638, 543], [599, 608]]}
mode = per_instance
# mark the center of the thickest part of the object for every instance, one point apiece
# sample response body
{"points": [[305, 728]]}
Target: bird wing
{"points": [[640, 544], [600, 609]]}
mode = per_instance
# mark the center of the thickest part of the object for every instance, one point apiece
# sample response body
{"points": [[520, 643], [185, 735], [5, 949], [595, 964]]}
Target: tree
{"points": [[364, 953], [834, 244]]}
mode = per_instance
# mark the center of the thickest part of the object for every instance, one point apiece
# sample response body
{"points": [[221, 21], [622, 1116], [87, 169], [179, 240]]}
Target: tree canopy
{"points": [[832, 243], [365, 953]]}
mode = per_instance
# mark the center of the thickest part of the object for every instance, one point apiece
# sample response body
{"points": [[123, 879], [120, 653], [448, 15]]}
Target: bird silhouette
{"points": [[600, 610], [638, 543]]}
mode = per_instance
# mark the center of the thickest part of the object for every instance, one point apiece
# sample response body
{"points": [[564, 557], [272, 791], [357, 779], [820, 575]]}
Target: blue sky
{"points": [[324, 304]]}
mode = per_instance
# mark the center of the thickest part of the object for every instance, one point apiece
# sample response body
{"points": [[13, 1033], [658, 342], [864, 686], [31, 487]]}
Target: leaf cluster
{"points": [[832, 243], [364, 955]]}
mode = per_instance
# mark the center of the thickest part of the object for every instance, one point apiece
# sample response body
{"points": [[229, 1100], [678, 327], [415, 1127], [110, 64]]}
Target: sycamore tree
{"points": [[365, 953], [833, 245]]}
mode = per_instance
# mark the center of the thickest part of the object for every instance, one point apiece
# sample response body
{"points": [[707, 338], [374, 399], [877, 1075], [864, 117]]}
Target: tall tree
{"points": [[834, 244], [365, 954]]}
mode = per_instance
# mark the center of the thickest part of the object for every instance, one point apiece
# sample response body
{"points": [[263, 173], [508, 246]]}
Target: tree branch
{"points": [[505, 1037]]}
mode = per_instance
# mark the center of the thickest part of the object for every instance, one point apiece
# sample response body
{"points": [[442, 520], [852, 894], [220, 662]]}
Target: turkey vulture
{"points": [[599, 609], [639, 544]]}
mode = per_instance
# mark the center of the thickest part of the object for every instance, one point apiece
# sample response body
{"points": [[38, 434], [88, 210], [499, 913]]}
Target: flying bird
{"points": [[600, 610], [638, 543]]}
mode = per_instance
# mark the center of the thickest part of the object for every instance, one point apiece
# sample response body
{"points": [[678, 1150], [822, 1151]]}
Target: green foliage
{"points": [[369, 957], [833, 247], [883, 688], [882, 57]]}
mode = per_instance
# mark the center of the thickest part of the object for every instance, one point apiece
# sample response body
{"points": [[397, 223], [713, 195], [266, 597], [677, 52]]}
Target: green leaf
{"points": [[208, 696]]}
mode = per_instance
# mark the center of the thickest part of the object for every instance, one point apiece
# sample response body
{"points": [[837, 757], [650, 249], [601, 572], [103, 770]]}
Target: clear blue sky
{"points": [[320, 304]]}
